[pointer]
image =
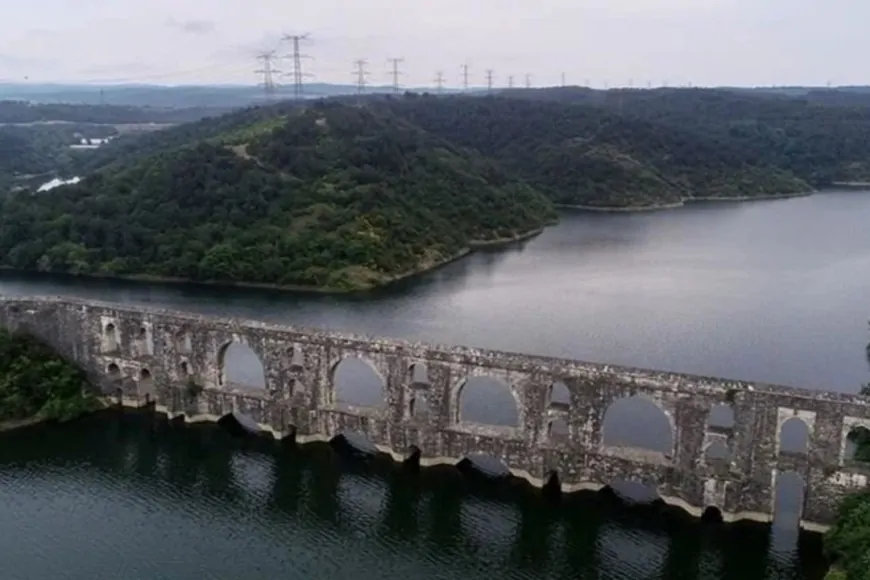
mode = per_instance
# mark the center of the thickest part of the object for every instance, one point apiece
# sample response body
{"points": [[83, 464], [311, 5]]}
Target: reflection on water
{"points": [[133, 496]]}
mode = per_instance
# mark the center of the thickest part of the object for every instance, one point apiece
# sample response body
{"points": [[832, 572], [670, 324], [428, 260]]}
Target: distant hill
{"points": [[176, 97], [820, 136], [36, 138], [23, 112], [331, 197], [586, 156]]}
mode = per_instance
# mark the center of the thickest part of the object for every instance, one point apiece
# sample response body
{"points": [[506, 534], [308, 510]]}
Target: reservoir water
{"points": [[773, 291]]}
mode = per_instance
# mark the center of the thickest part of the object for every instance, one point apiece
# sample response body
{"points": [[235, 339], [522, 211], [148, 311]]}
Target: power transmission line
{"points": [[563, 79], [297, 56], [489, 73], [268, 71], [361, 74], [465, 77], [528, 81], [439, 81], [511, 81], [395, 73]]}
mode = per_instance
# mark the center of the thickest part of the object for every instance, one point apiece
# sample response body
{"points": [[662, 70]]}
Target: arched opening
{"points": [[788, 504], [484, 464], [241, 368], [114, 371], [297, 358], [240, 424], [557, 430], [717, 454], [721, 417], [712, 514], [146, 382], [355, 443], [794, 436], [560, 396], [418, 407], [419, 375], [858, 445], [487, 400], [110, 338], [292, 384], [357, 384], [633, 491], [639, 423], [183, 342], [143, 342], [184, 368]]}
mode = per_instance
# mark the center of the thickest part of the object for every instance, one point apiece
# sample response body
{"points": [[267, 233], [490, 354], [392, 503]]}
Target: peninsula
{"points": [[331, 197]]}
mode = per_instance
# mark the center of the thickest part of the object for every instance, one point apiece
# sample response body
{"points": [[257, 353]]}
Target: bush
{"points": [[37, 382]]}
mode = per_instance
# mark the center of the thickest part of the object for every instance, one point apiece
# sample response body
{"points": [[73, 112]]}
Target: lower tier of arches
{"points": [[540, 480]]}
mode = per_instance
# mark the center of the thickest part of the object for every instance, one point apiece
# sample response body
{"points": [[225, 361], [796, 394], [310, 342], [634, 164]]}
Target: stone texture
{"points": [[146, 356]]}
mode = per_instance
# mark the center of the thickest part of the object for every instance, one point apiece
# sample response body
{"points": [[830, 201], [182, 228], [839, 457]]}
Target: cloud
{"points": [[193, 26]]}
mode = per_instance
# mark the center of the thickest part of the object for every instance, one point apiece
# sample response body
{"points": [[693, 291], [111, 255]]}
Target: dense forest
{"points": [[820, 136], [334, 197], [37, 383], [847, 543], [582, 155]]}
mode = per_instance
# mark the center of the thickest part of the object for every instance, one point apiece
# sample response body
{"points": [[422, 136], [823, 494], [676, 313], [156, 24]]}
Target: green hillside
{"points": [[335, 198], [583, 155], [820, 136]]}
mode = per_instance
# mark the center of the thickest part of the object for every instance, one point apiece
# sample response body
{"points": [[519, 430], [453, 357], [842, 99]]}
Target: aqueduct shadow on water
{"points": [[724, 445]]}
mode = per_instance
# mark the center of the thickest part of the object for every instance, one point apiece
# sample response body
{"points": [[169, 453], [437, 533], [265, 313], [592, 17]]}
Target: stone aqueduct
{"points": [[150, 356]]}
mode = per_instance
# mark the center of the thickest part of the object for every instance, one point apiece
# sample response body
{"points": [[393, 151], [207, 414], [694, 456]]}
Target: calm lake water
{"points": [[767, 291]]}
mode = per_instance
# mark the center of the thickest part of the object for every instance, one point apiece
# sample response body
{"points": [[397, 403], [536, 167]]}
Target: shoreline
{"points": [[13, 424], [753, 197], [682, 203], [851, 184], [473, 245], [620, 209]]}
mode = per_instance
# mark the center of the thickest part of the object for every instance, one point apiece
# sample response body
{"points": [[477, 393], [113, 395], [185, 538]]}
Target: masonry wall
{"points": [[152, 356]]}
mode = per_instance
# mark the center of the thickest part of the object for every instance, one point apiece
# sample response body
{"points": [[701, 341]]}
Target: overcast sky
{"points": [[703, 42]]}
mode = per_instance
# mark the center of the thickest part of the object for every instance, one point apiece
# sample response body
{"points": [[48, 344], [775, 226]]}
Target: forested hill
{"points": [[577, 155], [583, 155], [26, 112], [333, 197], [820, 136]]}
